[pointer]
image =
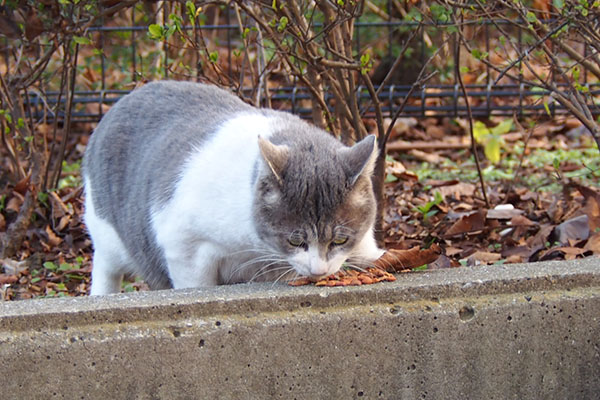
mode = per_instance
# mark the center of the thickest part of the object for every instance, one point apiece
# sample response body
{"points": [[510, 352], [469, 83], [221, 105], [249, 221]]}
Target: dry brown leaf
{"points": [[14, 204], [22, 186], [467, 224], [53, 239], [402, 260], [8, 279], [458, 190], [593, 243], [520, 220], [59, 208], [514, 259], [483, 257]]}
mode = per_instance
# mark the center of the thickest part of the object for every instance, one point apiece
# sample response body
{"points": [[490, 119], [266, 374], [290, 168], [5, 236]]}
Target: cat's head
{"points": [[314, 200]]}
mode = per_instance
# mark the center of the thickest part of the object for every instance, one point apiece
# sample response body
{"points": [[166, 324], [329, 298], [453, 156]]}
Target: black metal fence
{"points": [[122, 54]]}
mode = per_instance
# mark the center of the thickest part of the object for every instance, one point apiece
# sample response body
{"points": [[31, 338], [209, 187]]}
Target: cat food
{"points": [[391, 261], [348, 277]]}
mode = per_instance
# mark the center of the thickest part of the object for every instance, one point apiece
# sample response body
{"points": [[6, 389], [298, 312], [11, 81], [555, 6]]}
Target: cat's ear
{"points": [[275, 156], [360, 158]]}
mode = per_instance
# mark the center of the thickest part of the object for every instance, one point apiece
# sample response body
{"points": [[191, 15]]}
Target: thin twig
{"points": [[459, 39]]}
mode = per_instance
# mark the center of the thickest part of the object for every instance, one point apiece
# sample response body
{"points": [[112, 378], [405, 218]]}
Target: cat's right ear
{"points": [[275, 156], [360, 158]]}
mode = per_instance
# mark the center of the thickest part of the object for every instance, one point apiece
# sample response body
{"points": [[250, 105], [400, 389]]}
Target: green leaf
{"points": [[478, 54], [190, 9], [558, 4], [576, 74], [390, 178], [156, 31], [214, 56], [170, 31], [429, 214], [531, 17], [503, 127], [480, 131], [492, 148], [547, 108], [556, 163], [50, 265], [65, 267], [82, 40], [283, 21], [36, 279]]}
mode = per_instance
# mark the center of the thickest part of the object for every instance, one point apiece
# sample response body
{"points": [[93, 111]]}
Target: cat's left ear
{"points": [[275, 156], [360, 158]]}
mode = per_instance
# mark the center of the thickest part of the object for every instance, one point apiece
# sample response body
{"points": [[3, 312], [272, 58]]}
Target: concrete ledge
{"points": [[527, 331]]}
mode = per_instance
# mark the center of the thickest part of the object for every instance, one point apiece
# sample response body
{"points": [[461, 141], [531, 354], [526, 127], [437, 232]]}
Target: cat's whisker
{"points": [[290, 269], [266, 269], [270, 259], [270, 271], [355, 267], [254, 250]]}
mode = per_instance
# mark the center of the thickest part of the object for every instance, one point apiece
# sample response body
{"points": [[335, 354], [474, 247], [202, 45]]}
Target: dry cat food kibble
{"points": [[392, 260], [348, 278]]}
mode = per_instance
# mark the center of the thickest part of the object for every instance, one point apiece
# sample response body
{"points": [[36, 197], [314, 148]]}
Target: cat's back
{"points": [[184, 109], [139, 146]]}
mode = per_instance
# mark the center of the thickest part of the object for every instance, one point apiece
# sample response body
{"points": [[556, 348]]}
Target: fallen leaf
{"points": [[8, 279], [458, 190], [22, 186], [593, 243], [520, 220], [59, 208], [483, 257], [443, 262], [53, 239], [576, 228], [14, 204], [514, 259], [431, 158], [401, 260], [467, 224]]}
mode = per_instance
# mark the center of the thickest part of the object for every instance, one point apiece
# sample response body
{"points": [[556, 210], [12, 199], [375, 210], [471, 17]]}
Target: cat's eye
{"points": [[340, 240], [296, 241]]}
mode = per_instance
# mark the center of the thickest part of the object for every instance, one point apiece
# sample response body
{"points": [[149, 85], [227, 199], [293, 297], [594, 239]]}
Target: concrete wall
{"points": [[499, 332]]}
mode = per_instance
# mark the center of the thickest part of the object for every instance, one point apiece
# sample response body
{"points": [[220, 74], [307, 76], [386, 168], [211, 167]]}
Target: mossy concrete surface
{"points": [[529, 331]]}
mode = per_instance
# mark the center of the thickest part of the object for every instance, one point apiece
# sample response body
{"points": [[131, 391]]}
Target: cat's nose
{"points": [[319, 269]]}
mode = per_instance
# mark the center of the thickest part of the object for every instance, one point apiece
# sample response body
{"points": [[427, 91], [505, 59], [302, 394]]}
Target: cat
{"points": [[188, 186]]}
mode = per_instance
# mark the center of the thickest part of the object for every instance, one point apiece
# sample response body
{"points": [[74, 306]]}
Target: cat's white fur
{"points": [[203, 229], [110, 255], [203, 211]]}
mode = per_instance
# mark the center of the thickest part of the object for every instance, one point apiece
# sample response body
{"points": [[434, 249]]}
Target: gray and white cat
{"points": [[188, 186]]}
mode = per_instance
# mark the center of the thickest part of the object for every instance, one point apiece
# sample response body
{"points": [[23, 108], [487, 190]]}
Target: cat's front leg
{"points": [[194, 264], [367, 248]]}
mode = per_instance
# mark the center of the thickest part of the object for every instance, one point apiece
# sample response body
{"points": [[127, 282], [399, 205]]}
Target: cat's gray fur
{"points": [[137, 153]]}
